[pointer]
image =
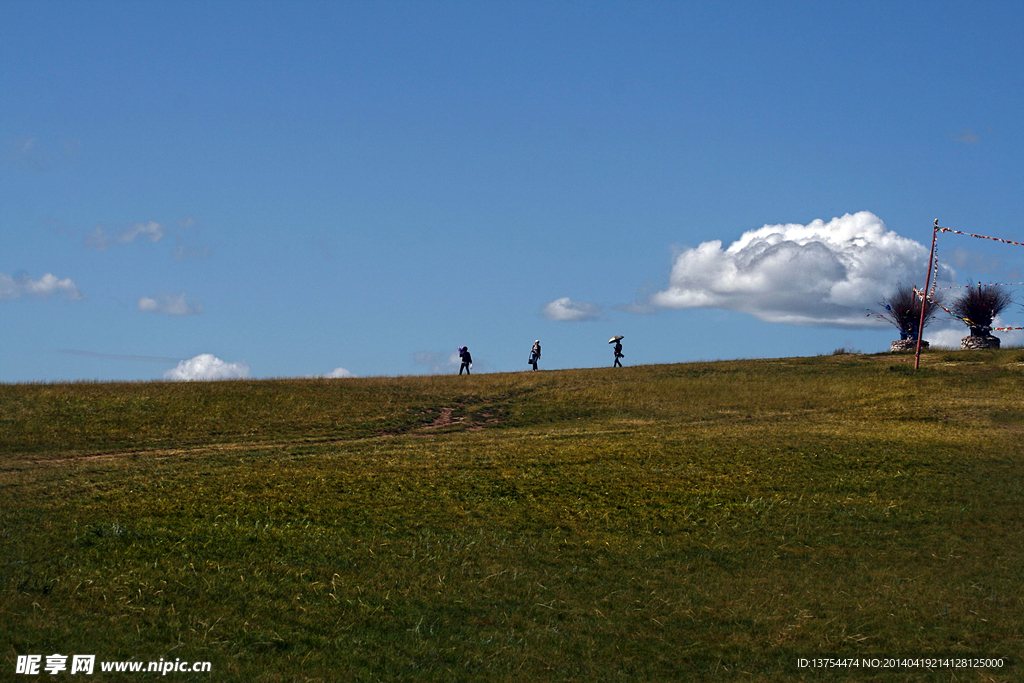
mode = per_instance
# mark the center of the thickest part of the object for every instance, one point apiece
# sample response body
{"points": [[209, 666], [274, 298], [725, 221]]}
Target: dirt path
{"points": [[444, 420]]}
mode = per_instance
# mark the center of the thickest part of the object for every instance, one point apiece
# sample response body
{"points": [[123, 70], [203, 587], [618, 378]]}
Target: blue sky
{"points": [[281, 189]]}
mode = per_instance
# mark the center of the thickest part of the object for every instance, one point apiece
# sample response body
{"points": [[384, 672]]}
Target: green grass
{"points": [[706, 521]]}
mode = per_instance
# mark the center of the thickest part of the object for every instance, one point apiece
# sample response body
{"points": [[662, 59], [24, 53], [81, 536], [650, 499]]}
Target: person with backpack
{"points": [[535, 354], [467, 360]]}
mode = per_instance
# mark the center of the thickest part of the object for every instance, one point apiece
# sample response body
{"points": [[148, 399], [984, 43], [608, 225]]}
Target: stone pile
{"points": [[906, 345], [972, 342]]}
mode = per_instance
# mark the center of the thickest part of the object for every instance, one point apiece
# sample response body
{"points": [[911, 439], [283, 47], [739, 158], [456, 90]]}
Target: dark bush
{"points": [[903, 310], [979, 306]]}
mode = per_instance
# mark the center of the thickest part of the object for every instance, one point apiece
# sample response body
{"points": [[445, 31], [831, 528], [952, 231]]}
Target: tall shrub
{"points": [[903, 310], [979, 306]]}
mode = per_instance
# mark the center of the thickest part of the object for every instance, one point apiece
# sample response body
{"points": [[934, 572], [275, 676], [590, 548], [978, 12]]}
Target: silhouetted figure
{"points": [[535, 354], [467, 360], [617, 340]]}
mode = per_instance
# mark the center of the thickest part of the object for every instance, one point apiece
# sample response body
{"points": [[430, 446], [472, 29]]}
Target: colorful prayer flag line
{"points": [[991, 284], [982, 237]]}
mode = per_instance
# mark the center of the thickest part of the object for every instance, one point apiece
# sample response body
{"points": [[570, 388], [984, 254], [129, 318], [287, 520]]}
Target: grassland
{"points": [[706, 521]]}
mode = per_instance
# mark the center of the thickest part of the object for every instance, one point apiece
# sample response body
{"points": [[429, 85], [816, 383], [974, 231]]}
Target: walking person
{"points": [[617, 340], [535, 354], [467, 360]]}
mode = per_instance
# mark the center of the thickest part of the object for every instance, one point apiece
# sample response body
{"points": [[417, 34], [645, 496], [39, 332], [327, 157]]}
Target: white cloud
{"points": [[45, 287], [151, 230], [336, 373], [206, 366], [966, 136], [171, 304], [945, 337], [99, 239], [188, 244], [638, 308], [182, 252], [816, 274], [567, 310], [1010, 338], [438, 361], [25, 153], [972, 261], [9, 288]]}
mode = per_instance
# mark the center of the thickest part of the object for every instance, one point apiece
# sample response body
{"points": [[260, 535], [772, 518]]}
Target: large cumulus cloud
{"points": [[816, 274]]}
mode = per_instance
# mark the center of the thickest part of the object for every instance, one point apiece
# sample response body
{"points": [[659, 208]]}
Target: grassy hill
{"points": [[705, 521]]}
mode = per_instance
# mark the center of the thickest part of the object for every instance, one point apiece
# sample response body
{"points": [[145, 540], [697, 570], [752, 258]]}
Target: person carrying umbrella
{"points": [[617, 340]]}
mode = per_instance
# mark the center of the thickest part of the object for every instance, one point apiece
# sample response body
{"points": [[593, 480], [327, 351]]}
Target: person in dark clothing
{"points": [[618, 353], [467, 360], [535, 354]]}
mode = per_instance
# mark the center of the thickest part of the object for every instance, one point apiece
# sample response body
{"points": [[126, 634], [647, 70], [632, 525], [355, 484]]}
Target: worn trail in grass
{"points": [[690, 522]]}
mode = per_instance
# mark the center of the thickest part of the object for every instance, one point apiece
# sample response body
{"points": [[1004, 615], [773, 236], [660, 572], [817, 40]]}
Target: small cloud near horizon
{"points": [[336, 373], [206, 367], [948, 333], [438, 362], [565, 309]]}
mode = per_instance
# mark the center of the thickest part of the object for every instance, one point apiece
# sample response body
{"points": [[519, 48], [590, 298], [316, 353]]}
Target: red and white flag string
{"points": [[991, 284], [981, 237], [935, 277], [969, 322]]}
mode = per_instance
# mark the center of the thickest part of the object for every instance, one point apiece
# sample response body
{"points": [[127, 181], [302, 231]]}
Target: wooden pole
{"points": [[924, 299]]}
